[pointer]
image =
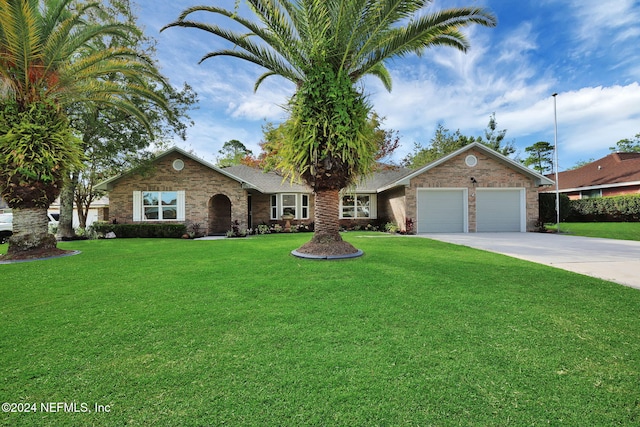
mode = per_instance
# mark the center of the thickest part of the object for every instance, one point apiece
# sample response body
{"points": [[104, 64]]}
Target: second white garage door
{"points": [[499, 210], [442, 211]]}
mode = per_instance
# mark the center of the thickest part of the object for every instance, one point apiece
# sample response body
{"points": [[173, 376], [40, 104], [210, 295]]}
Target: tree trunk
{"points": [[65, 223], [327, 240], [84, 197], [30, 232], [82, 216]]}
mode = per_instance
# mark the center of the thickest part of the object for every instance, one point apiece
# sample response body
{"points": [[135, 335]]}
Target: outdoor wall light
{"points": [[473, 180]]}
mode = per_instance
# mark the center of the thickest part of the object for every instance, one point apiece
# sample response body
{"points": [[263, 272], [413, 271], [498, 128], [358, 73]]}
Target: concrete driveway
{"points": [[614, 260]]}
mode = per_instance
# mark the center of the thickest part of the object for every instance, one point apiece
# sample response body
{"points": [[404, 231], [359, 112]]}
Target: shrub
{"points": [[235, 230], [263, 229], [195, 230], [141, 230], [409, 226], [616, 208], [547, 207], [391, 227]]}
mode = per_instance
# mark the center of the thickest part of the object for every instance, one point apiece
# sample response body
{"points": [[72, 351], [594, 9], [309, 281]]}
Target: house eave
{"points": [[596, 187]]}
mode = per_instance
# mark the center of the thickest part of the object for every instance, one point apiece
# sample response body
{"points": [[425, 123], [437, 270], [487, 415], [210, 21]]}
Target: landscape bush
{"points": [[606, 209], [141, 230], [547, 207]]}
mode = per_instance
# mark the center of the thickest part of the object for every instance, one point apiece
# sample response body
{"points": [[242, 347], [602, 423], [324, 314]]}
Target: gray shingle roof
{"points": [[271, 182], [381, 178], [265, 182]]}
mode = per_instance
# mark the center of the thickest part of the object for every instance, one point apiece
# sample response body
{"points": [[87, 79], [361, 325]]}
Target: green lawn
{"points": [[239, 332], [607, 230]]}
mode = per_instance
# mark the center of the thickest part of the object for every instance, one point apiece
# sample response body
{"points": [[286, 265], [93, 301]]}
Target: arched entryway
{"points": [[219, 214]]}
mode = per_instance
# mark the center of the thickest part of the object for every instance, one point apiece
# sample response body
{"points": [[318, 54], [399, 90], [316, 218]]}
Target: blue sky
{"points": [[587, 51]]}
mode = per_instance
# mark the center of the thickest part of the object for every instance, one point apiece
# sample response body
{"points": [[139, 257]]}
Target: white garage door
{"points": [[442, 211], [499, 210]]}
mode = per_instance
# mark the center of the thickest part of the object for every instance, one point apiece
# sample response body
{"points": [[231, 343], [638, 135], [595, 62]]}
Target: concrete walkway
{"points": [[614, 260]]}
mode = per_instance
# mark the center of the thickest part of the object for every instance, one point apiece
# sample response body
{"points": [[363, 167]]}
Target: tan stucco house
{"points": [[473, 189]]}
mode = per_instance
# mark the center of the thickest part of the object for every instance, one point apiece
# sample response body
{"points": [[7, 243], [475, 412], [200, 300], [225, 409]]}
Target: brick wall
{"points": [[488, 173], [260, 208], [199, 182], [620, 191], [392, 207]]}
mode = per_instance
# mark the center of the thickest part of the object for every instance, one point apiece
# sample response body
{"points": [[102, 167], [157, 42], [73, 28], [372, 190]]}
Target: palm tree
{"points": [[325, 47], [48, 65]]}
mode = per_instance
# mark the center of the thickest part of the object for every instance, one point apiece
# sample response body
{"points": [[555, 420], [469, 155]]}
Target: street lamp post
{"points": [[555, 138]]}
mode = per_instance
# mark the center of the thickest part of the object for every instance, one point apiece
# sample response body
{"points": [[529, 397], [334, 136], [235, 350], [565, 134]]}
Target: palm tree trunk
{"points": [[327, 240], [30, 231], [327, 217]]}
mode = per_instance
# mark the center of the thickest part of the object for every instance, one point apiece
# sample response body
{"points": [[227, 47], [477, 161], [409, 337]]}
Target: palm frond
{"points": [[277, 39], [438, 29]]}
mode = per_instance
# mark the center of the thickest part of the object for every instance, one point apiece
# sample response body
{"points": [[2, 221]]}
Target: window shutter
{"points": [[374, 207], [181, 206], [137, 205], [274, 206]]}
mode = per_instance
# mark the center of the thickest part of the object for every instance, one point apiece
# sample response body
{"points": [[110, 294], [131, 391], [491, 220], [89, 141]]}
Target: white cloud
{"points": [[597, 17], [598, 117]]}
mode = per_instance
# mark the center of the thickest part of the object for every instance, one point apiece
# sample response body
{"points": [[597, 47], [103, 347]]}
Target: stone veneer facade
{"points": [[488, 173]]}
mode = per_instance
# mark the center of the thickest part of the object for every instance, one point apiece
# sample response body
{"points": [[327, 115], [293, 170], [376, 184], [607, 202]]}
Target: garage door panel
{"points": [[441, 211], [498, 210]]}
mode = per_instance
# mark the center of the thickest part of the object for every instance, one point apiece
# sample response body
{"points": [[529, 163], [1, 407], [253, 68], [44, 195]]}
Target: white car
{"points": [[6, 225]]}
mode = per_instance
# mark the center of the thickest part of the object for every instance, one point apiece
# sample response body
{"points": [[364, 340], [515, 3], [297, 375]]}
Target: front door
{"points": [[219, 214]]}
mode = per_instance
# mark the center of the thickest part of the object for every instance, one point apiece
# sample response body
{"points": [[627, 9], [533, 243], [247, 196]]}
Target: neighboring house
{"points": [[98, 211], [612, 175], [472, 189]]}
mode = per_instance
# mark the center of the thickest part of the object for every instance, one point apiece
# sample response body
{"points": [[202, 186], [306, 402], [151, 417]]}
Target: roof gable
{"points": [[109, 183], [615, 168], [540, 179]]}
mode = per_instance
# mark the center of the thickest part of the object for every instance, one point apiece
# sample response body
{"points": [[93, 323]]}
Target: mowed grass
{"points": [[607, 230], [239, 332]]}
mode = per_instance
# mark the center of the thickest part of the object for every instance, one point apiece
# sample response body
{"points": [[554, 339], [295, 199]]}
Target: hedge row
{"points": [[617, 208], [141, 230]]}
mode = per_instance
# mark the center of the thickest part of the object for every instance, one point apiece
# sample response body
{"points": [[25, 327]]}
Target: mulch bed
{"points": [[327, 249], [36, 255]]}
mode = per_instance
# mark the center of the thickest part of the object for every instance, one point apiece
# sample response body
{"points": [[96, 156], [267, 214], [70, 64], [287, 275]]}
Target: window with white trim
{"points": [[590, 194], [290, 204], [355, 206], [158, 206]]}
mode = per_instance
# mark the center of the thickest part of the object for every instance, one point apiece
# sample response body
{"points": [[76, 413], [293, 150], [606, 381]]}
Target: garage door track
{"points": [[614, 260]]}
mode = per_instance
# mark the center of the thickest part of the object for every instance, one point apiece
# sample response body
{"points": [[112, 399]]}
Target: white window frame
{"points": [[591, 196], [301, 208], [287, 208], [138, 206], [373, 207]]}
